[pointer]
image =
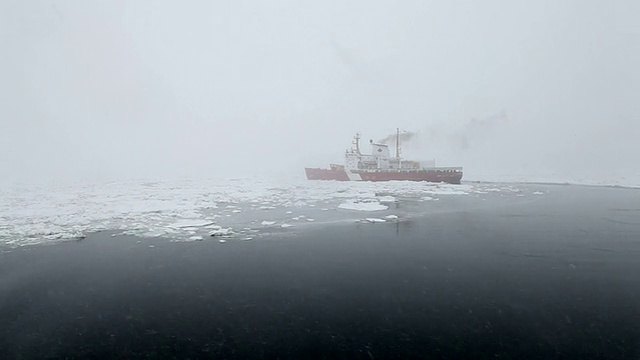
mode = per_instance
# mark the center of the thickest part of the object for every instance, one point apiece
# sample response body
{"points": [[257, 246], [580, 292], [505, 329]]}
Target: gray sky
{"points": [[122, 89]]}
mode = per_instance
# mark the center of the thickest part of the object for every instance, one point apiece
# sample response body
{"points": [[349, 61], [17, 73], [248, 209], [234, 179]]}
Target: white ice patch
{"points": [[387, 199], [65, 235], [267, 223], [391, 217], [221, 232], [190, 223], [362, 206], [286, 225], [375, 220], [538, 193]]}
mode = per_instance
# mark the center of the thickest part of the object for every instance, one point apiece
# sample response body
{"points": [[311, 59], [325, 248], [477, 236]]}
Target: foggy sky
{"points": [[124, 89]]}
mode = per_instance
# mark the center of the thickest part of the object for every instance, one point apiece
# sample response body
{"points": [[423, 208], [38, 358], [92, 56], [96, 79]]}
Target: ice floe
{"points": [[222, 232], [190, 223], [387, 199], [375, 220], [363, 206]]}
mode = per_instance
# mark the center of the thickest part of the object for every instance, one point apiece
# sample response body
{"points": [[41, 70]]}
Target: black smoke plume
{"points": [[404, 137]]}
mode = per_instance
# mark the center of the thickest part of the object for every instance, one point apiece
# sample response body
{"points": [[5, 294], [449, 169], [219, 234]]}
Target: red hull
{"points": [[326, 174], [432, 175]]}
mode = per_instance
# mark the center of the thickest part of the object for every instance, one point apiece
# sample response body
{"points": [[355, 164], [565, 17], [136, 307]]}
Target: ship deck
{"points": [[422, 170]]}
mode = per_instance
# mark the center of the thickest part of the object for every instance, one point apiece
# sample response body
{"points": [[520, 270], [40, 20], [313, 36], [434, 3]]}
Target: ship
{"points": [[381, 166]]}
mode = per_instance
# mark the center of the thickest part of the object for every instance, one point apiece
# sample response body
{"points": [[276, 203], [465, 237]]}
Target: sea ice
{"points": [[375, 220], [222, 232], [35, 214], [362, 206], [189, 223]]}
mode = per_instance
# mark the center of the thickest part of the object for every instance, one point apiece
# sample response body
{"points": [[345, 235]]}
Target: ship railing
{"points": [[443, 169], [429, 169]]}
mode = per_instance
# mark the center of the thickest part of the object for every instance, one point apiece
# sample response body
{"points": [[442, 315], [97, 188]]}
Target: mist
{"points": [[119, 90]]}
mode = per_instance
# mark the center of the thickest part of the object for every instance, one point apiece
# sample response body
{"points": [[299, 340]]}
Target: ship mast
{"points": [[397, 143], [356, 143], [398, 148]]}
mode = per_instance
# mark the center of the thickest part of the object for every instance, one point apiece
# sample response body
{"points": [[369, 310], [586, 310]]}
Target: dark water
{"points": [[555, 277]]}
